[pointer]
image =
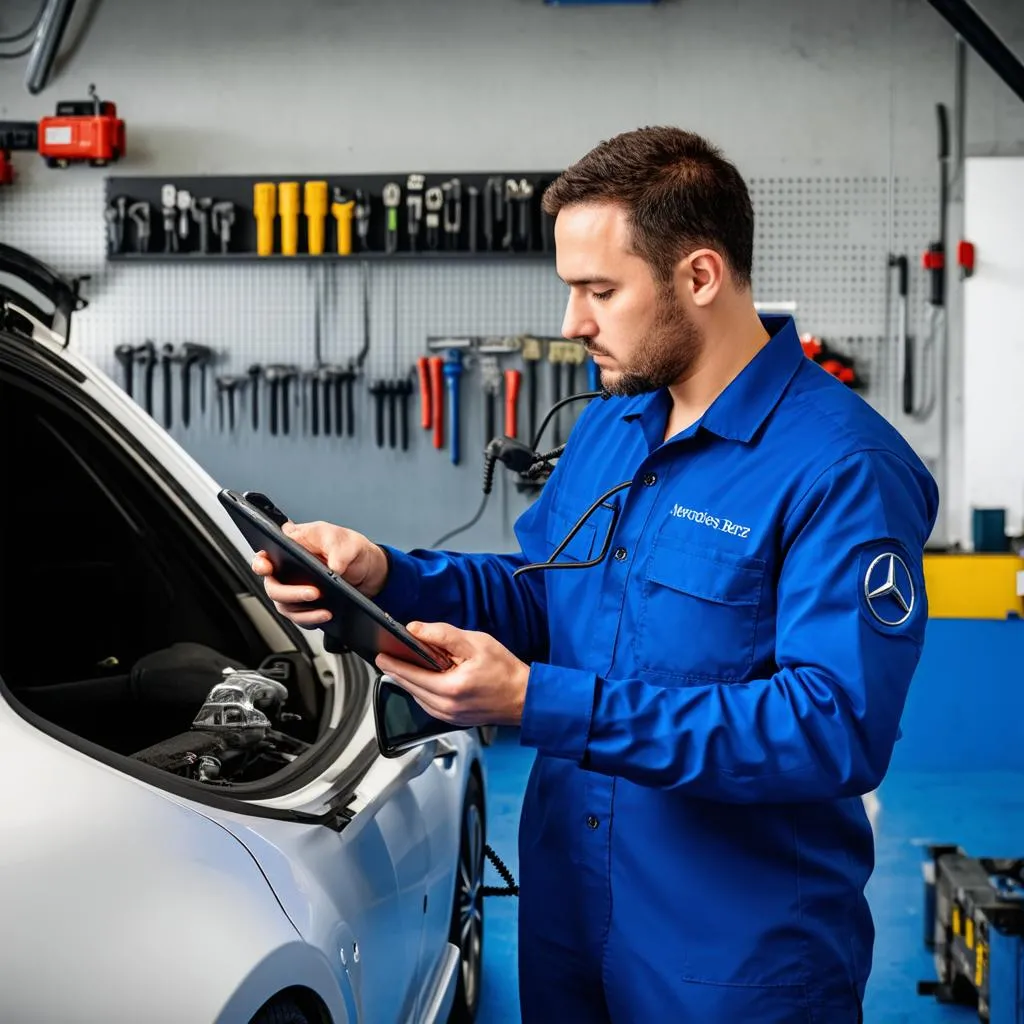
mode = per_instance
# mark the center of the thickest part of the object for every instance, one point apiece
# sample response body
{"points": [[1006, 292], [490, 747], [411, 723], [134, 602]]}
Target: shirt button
{"points": [[620, 554], [592, 822], [650, 479]]}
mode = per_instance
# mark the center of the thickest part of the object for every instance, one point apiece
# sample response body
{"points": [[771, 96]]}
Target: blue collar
{"points": [[740, 410]]}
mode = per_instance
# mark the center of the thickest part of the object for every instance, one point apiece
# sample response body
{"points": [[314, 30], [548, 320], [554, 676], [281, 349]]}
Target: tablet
{"points": [[356, 621]]}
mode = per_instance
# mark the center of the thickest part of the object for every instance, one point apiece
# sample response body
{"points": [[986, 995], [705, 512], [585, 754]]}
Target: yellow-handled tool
{"points": [[264, 200], [288, 207], [342, 209], [315, 204]]}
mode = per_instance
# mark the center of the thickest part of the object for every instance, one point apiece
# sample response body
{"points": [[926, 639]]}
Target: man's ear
{"points": [[701, 275]]}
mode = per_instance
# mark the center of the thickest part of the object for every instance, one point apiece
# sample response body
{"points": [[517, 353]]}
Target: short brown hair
{"points": [[680, 194]]}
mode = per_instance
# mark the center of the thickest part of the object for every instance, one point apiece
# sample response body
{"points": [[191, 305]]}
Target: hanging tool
{"points": [[314, 206], [452, 192], [434, 201], [452, 375], [905, 344], [490, 381], [279, 377], [423, 372], [222, 218], [511, 194], [573, 355], [489, 350], [115, 215], [532, 352], [168, 205], [342, 209], [167, 357], [494, 209], [524, 215], [146, 356], [227, 385], [184, 204], [513, 379], [288, 211], [255, 374], [125, 355], [193, 355], [414, 207], [474, 216], [378, 389], [392, 196], [200, 213], [264, 208], [555, 359], [437, 398], [140, 214], [362, 214]]}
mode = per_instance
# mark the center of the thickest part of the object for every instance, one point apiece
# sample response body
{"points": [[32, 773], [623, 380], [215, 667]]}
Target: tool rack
{"points": [[520, 230]]}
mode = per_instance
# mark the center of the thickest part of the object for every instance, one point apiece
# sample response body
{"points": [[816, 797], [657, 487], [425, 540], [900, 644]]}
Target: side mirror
{"points": [[400, 722]]}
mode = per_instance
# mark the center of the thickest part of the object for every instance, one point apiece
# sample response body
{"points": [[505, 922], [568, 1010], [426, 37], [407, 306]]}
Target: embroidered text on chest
{"points": [[706, 519]]}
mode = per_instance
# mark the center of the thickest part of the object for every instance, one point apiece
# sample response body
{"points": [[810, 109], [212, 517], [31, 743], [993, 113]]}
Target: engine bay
{"points": [[236, 735]]}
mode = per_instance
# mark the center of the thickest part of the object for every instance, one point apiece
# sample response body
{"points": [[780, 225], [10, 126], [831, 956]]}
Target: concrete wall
{"points": [[800, 89]]}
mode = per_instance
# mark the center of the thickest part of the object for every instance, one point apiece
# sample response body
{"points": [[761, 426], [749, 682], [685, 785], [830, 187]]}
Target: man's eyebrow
{"points": [[579, 281]]}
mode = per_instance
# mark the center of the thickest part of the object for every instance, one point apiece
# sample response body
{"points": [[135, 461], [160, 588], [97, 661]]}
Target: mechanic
{"points": [[711, 700]]}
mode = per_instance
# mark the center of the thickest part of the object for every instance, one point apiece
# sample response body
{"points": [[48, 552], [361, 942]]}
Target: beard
{"points": [[667, 353]]}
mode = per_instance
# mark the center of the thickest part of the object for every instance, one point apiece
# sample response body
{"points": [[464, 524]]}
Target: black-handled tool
{"points": [[167, 357], [146, 355], [377, 389], [193, 355], [125, 355], [255, 376]]}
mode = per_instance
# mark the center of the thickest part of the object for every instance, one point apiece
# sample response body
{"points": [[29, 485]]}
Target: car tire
{"points": [[467, 926], [281, 1011]]}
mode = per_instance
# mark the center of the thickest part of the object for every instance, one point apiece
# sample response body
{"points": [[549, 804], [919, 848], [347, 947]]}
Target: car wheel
{"points": [[467, 928], [280, 1011]]}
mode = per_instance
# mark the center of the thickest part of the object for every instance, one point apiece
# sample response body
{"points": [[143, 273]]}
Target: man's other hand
{"points": [[355, 558], [486, 685]]}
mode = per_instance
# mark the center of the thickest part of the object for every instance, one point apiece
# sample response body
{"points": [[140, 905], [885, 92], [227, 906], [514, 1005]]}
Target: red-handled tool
{"points": [[513, 378], [437, 398], [423, 369]]}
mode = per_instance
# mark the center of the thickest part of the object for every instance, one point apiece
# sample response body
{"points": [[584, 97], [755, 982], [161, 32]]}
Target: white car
{"points": [[198, 821]]}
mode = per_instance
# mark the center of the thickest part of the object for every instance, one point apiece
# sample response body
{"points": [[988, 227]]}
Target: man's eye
{"points": [[604, 296]]}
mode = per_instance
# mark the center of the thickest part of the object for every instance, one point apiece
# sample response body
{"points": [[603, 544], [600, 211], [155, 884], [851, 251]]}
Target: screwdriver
{"points": [[423, 370], [452, 373], [288, 205], [342, 209], [264, 199], [437, 398], [513, 378], [315, 206]]}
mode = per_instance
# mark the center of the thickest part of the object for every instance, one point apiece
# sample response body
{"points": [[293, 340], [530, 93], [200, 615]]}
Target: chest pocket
{"points": [[700, 612], [583, 545]]}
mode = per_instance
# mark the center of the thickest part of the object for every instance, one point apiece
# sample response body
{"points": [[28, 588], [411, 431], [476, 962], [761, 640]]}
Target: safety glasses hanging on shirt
{"points": [[601, 502], [531, 464]]}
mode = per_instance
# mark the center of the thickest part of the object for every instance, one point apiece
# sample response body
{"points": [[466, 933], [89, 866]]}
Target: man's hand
{"points": [[355, 558], [486, 686]]}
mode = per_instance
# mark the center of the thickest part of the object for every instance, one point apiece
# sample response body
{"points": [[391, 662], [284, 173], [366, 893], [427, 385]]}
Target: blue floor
{"points": [[983, 812]]}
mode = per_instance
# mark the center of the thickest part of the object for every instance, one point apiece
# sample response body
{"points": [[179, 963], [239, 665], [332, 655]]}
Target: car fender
{"points": [[122, 903]]}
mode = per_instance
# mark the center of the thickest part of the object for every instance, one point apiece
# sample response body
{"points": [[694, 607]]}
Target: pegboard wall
{"points": [[822, 243]]}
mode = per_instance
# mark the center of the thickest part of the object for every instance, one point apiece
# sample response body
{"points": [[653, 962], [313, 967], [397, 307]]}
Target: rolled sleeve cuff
{"points": [[401, 591], [557, 711]]}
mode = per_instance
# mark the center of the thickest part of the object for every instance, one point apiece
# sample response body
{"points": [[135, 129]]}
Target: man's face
{"points": [[637, 329]]}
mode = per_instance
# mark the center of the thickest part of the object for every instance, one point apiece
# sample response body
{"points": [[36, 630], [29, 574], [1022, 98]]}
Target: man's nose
{"points": [[577, 322]]}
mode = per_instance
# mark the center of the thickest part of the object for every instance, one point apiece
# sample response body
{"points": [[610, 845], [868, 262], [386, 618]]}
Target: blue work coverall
{"points": [[710, 702]]}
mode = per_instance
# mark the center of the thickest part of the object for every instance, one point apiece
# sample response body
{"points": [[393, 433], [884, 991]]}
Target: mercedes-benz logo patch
{"points": [[889, 589]]}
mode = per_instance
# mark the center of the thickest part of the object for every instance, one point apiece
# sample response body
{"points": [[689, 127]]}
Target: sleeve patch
{"points": [[889, 591]]}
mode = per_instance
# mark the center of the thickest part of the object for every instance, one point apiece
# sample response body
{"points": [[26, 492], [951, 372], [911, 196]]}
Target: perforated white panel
{"points": [[822, 243]]}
